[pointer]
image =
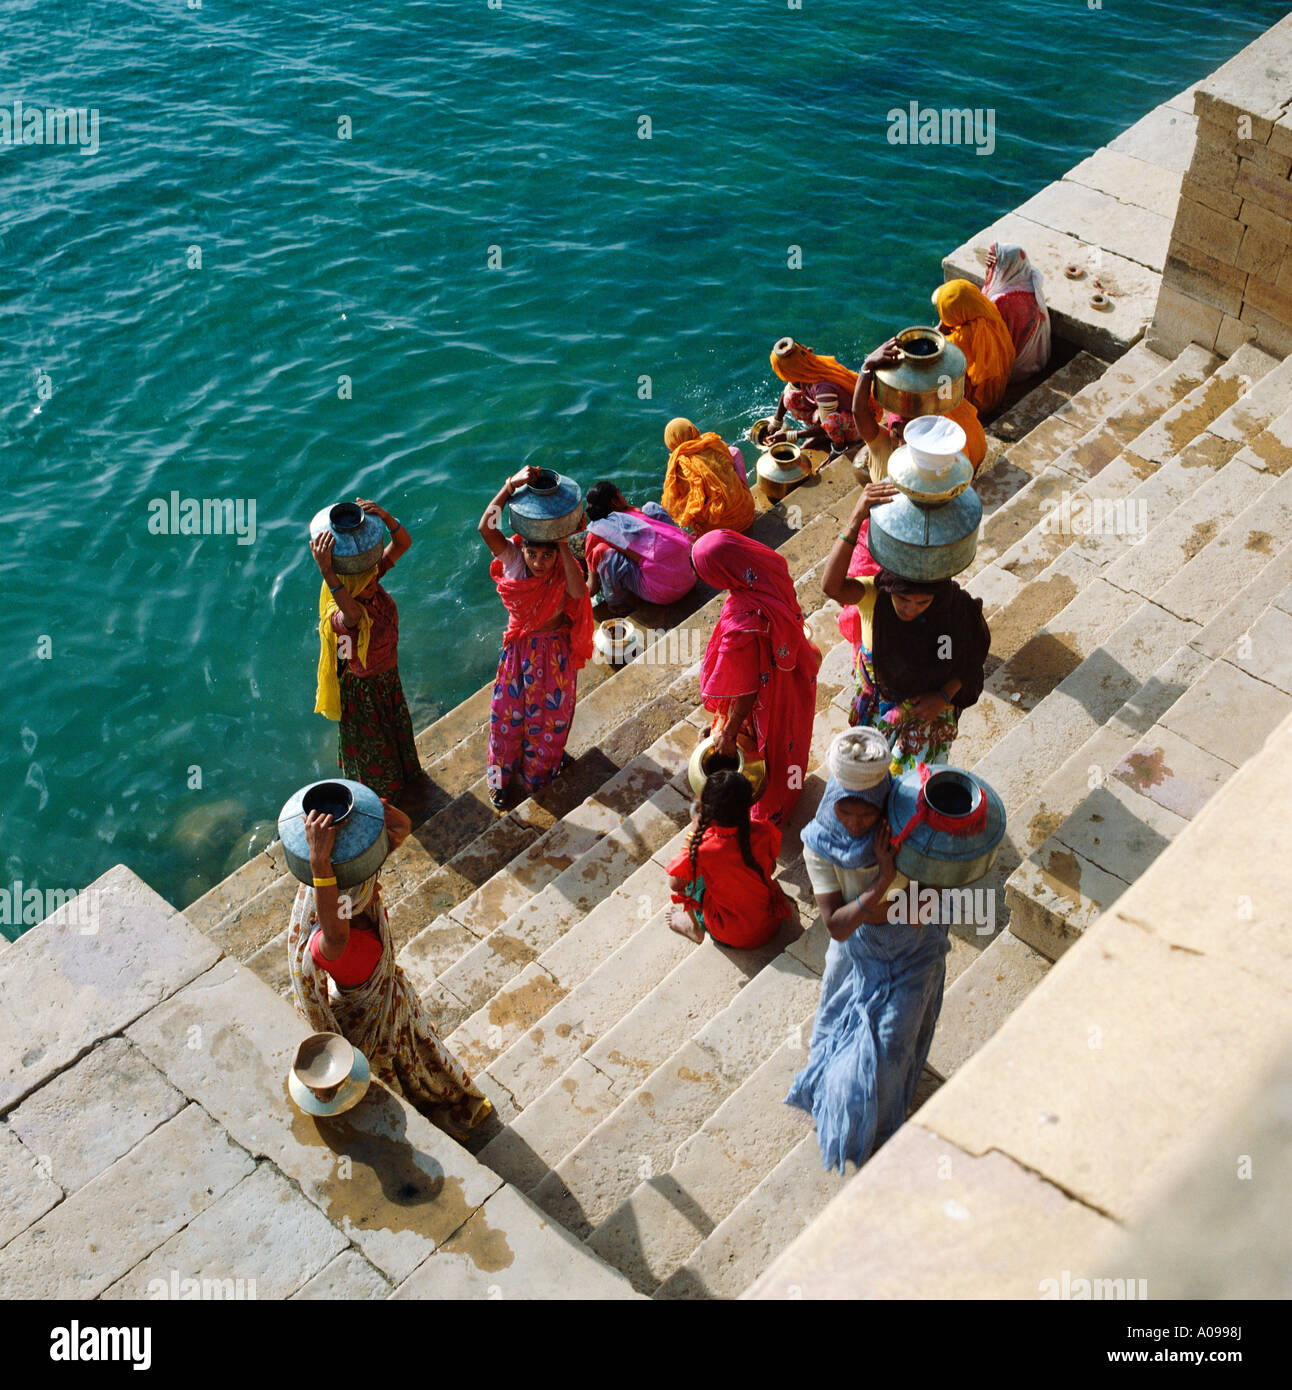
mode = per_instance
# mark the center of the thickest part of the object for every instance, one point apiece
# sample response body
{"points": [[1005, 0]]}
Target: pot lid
{"points": [[323, 1060], [356, 810], [968, 817], [927, 489]]}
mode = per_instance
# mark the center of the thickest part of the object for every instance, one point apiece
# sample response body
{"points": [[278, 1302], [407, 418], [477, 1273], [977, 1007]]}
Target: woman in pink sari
{"points": [[548, 638], [634, 553], [759, 672]]}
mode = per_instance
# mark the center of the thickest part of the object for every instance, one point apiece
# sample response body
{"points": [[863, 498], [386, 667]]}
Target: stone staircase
{"points": [[637, 1078]]}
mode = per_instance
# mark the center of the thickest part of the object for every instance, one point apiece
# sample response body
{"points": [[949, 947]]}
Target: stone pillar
{"points": [[1228, 273]]}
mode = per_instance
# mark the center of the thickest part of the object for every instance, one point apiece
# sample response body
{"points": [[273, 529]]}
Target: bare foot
{"points": [[680, 920]]}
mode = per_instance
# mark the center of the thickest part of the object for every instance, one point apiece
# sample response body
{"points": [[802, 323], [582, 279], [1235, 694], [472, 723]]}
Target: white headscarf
{"points": [[1015, 272]]}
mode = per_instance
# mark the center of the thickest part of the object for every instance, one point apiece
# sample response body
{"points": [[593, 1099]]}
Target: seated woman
{"points": [[1016, 288], [881, 991], [358, 671], [919, 650], [634, 554], [723, 880], [975, 326], [759, 670], [705, 488], [883, 430], [548, 638], [819, 392], [345, 980]]}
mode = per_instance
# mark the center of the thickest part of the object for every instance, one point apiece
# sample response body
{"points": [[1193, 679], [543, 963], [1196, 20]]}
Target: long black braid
{"points": [[725, 801]]}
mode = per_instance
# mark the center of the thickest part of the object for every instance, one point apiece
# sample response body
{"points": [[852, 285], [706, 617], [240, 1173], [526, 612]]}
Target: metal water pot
{"points": [[361, 841], [548, 509], [925, 543], [929, 380], [360, 536], [949, 822]]}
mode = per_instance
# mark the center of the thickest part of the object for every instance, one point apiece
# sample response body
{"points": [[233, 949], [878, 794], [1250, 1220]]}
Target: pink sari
{"points": [[759, 647]]}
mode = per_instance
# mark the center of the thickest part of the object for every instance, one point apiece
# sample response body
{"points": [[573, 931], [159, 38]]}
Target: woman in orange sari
{"points": [[818, 391], [974, 325], [705, 488], [759, 671]]}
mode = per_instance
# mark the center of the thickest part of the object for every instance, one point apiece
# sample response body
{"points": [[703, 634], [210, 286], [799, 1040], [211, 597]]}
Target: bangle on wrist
{"points": [[394, 525], [335, 588], [844, 536], [329, 882]]}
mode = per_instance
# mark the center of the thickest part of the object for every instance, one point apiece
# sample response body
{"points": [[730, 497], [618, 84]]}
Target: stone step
{"points": [[746, 1241], [655, 1230], [659, 1109], [1137, 463], [984, 996], [1043, 400], [1105, 438]]}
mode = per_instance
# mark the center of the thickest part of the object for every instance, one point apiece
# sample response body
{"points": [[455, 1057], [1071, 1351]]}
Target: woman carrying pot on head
{"points": [[919, 650], [705, 488], [881, 991], [345, 980], [358, 671], [759, 671], [548, 638], [819, 392], [634, 554], [883, 431]]}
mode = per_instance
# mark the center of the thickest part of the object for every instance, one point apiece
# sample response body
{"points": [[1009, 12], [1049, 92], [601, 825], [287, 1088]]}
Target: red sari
{"points": [[759, 647], [734, 904]]}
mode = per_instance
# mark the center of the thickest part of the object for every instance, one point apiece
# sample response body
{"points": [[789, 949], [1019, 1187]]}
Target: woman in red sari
{"points": [[759, 672], [548, 638]]}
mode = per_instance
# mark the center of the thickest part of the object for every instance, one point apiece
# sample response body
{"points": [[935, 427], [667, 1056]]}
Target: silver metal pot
{"points": [[926, 543], [549, 509], [361, 840], [946, 857], [360, 536]]}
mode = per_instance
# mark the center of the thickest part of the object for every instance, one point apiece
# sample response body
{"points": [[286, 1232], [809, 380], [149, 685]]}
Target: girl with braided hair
{"points": [[723, 880]]}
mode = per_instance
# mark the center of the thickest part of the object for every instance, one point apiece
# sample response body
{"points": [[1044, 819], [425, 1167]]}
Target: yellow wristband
{"points": [[325, 882]]}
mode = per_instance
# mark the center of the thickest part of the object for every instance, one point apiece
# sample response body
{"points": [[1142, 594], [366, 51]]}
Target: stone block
{"points": [[1118, 830], [1117, 1058], [1165, 137], [93, 1237], [514, 1008], [1172, 772], [510, 1250], [92, 1113], [1055, 897], [406, 1185], [1258, 185], [262, 1239], [1259, 255], [980, 1001], [1208, 230], [1200, 277], [438, 947], [1140, 182], [1101, 220], [1220, 200], [1268, 224], [250, 927], [67, 983], [1228, 713], [1271, 333], [1265, 650], [239, 887], [27, 1191], [1269, 299], [926, 1220], [1232, 334], [348, 1277]]}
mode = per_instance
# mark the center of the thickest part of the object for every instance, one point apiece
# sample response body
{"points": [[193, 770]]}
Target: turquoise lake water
{"points": [[145, 663]]}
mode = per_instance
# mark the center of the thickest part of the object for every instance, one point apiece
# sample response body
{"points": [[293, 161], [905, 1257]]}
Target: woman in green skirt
{"points": [[358, 675]]}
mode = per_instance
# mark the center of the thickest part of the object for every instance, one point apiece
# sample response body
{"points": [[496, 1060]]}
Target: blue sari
{"points": [[881, 994]]}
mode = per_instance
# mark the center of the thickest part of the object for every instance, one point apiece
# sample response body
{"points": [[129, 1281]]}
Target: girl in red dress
{"points": [[722, 882]]}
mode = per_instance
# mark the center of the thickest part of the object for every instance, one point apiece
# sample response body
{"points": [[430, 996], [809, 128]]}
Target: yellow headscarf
{"points": [[327, 697], [978, 330], [803, 365], [701, 491]]}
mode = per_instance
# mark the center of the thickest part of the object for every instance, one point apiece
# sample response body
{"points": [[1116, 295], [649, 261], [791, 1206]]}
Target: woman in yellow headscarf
{"points": [[358, 672], [818, 391], [974, 325], [705, 488]]}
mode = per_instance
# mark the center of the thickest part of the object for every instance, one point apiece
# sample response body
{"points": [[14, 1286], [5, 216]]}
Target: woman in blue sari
{"points": [[881, 992]]}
